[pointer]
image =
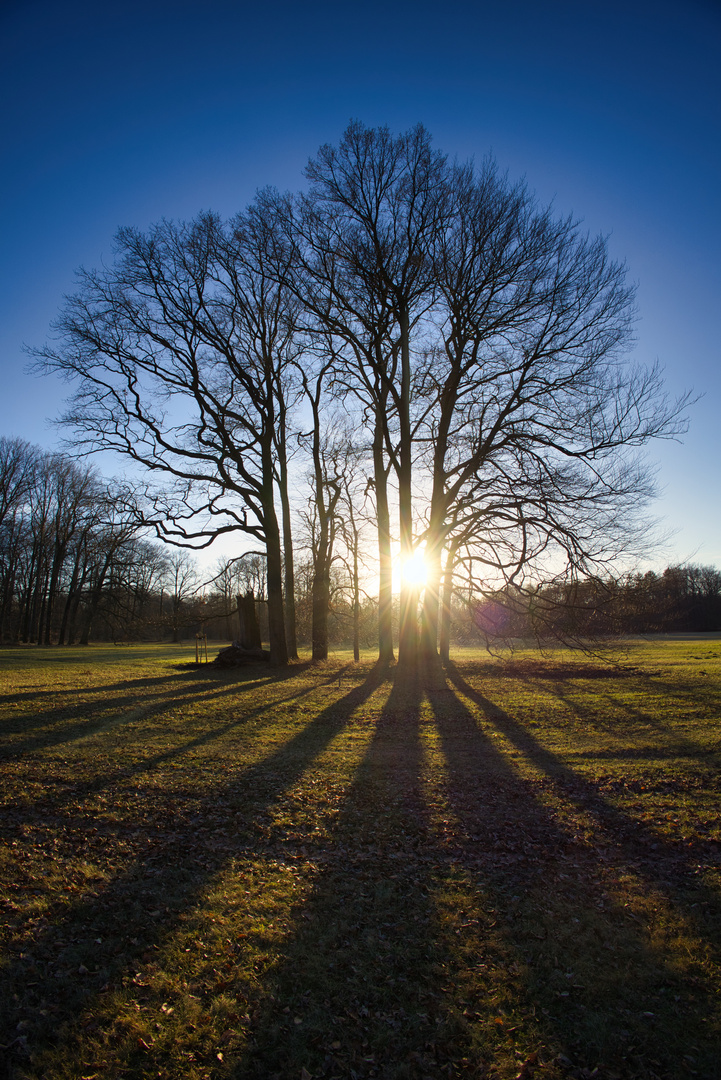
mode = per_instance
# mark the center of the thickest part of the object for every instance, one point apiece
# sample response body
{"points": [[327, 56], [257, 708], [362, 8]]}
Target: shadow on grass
{"points": [[171, 858], [357, 991], [175, 672], [592, 965], [630, 721], [374, 982], [430, 892], [662, 861], [67, 724], [623, 718]]}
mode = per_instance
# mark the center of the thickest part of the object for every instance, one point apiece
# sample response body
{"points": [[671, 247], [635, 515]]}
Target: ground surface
{"points": [[333, 873]]}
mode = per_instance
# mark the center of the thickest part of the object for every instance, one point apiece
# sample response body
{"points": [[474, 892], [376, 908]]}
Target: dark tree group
{"points": [[681, 599], [75, 567], [409, 344], [73, 564]]}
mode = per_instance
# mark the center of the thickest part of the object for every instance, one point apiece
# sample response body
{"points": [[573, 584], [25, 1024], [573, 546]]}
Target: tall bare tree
{"points": [[181, 576], [19, 466], [480, 341], [536, 413], [382, 202], [178, 350]]}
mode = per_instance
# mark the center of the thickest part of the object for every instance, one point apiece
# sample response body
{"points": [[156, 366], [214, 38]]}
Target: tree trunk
{"points": [[323, 555], [43, 608], [290, 621], [37, 601], [9, 582], [7, 601], [431, 607], [58, 561], [435, 540], [72, 587], [320, 606], [385, 560], [276, 616], [94, 599], [446, 595], [408, 633], [323, 560], [249, 630], [356, 601], [75, 606], [31, 579], [438, 528]]}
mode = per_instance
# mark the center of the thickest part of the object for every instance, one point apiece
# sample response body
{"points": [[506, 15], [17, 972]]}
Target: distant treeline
{"points": [[73, 564], [76, 567], [683, 599]]}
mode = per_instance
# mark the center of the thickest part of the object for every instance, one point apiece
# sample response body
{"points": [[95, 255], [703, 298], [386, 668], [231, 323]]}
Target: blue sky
{"points": [[131, 112]]}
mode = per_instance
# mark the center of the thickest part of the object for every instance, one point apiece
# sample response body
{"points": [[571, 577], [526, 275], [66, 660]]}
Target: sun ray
{"points": [[414, 569]]}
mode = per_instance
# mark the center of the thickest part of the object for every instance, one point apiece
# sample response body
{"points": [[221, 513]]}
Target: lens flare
{"points": [[414, 569]]}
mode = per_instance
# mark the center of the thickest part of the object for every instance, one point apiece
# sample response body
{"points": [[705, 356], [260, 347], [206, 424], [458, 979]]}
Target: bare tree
{"points": [[517, 426], [479, 340], [178, 351], [19, 465], [181, 575], [381, 203], [537, 414], [77, 492], [105, 555], [351, 521], [356, 254], [329, 466]]}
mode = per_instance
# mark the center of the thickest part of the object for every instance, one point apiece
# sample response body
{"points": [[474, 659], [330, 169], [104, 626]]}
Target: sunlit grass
{"points": [[331, 872]]}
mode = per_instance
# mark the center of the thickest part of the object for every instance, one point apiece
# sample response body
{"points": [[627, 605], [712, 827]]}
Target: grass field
{"points": [[330, 873]]}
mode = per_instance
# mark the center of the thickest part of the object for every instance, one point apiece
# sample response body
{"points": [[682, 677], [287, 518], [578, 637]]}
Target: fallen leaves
{"points": [[528, 1067], [388, 887]]}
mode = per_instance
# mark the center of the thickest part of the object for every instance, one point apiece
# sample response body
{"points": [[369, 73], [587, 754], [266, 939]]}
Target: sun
{"points": [[414, 569]]}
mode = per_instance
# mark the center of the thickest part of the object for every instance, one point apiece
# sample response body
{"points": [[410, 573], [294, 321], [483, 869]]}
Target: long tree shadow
{"points": [[66, 723], [660, 859], [642, 724], [625, 718], [368, 963], [591, 966], [169, 858], [175, 672], [156, 707], [187, 671], [357, 991]]}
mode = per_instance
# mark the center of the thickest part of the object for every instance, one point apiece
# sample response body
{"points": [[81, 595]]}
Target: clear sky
{"points": [[123, 113]]}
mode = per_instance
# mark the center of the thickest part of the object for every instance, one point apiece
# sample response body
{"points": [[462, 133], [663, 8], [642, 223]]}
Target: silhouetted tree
{"points": [[178, 351], [181, 576], [479, 341]]}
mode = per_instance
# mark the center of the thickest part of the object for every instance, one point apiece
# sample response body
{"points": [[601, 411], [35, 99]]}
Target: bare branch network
{"points": [[475, 344]]}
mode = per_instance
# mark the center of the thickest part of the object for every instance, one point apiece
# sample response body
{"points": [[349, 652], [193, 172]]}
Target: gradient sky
{"points": [[131, 112]]}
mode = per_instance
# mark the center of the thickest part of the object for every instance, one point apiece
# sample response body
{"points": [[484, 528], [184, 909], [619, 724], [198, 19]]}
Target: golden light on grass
{"points": [[507, 881]]}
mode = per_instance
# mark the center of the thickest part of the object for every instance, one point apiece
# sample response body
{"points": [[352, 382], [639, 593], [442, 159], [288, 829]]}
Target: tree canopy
{"points": [[478, 345]]}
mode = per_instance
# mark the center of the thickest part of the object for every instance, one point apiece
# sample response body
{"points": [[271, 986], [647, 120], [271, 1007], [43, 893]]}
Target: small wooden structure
{"points": [[201, 642]]}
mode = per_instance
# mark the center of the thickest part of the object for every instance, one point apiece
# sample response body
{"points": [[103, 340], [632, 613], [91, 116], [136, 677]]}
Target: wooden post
{"points": [[201, 643]]}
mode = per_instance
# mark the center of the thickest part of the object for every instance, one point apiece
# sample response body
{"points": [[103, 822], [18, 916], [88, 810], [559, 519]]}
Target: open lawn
{"points": [[327, 872]]}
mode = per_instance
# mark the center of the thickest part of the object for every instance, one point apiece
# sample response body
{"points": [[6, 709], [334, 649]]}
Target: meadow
{"points": [[329, 871]]}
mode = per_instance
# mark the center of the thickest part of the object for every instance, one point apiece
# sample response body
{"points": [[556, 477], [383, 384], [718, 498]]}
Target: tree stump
{"points": [[249, 628]]}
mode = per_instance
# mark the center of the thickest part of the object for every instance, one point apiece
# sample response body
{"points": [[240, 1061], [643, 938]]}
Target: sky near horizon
{"points": [[127, 113]]}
